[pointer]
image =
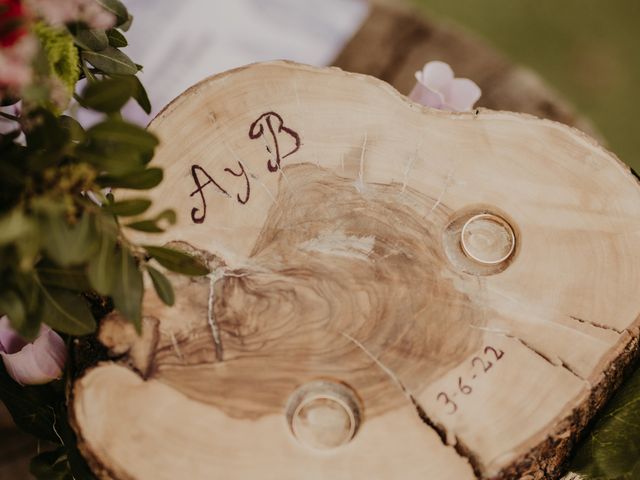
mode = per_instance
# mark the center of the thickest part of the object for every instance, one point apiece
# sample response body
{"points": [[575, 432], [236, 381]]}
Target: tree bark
{"points": [[396, 292]]}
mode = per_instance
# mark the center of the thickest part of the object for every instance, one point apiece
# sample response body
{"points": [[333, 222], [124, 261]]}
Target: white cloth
{"points": [[181, 42]]}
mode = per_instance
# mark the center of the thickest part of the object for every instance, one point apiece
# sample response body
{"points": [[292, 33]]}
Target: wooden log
{"points": [[396, 292], [394, 43]]}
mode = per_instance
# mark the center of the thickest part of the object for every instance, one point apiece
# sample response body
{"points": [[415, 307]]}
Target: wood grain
{"points": [[330, 209]]}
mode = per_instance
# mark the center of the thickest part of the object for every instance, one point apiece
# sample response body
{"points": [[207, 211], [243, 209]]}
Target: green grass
{"points": [[588, 50]]}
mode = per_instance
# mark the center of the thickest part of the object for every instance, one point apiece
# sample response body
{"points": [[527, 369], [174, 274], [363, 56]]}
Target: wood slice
{"points": [[396, 292]]}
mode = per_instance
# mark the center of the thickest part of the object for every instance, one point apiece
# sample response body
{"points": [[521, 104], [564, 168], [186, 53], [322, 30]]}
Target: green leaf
{"points": [[141, 96], [177, 261], [145, 180], [69, 244], [68, 278], [11, 304], [108, 95], [101, 271], [126, 25], [117, 8], [116, 39], [127, 289], [113, 161], [612, 449], [28, 289], [149, 226], [73, 127], [66, 311], [95, 40], [15, 225], [128, 208], [111, 61], [162, 286], [169, 215], [123, 135]]}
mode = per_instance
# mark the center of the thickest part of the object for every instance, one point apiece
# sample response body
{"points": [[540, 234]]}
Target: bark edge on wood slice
{"points": [[396, 292]]}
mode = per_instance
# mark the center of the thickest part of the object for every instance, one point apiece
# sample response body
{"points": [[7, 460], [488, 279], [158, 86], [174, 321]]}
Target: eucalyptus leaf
{"points": [[70, 278], [611, 451], [113, 160], [27, 287], [66, 311], [111, 61], [145, 180], [93, 40], [129, 208], [71, 125], [127, 288], [69, 244], [148, 226], [15, 225], [116, 39], [12, 305], [101, 270], [168, 215], [117, 8], [162, 286], [141, 96], [108, 95], [177, 261], [123, 135], [152, 225], [126, 25]]}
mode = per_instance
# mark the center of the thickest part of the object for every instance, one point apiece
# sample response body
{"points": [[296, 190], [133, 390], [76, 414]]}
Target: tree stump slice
{"points": [[405, 39], [396, 291]]}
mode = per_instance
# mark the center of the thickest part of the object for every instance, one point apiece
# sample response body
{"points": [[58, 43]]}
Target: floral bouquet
{"points": [[64, 253]]}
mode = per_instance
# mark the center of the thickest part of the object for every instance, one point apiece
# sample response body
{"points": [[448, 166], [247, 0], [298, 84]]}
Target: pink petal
{"points": [[462, 95], [34, 363], [426, 97], [50, 353], [437, 76]]}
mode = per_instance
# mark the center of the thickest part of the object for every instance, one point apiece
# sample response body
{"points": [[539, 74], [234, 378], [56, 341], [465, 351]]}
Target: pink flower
{"points": [[438, 88], [32, 363], [57, 12], [15, 65]]}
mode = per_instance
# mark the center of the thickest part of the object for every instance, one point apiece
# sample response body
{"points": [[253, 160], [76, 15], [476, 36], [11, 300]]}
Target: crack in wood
{"points": [[560, 363], [215, 330], [447, 184], [595, 324], [359, 183], [458, 446]]}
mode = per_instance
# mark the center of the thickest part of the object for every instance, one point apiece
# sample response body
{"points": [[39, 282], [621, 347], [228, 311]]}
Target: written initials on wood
{"points": [[271, 127]]}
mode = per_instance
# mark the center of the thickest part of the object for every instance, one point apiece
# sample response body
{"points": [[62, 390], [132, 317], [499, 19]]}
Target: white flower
{"points": [[437, 87]]}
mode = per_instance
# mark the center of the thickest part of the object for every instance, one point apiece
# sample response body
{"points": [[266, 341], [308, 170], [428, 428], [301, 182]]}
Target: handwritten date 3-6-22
{"points": [[480, 366]]}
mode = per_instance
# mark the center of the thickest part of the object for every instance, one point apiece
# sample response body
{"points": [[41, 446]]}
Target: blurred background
{"points": [[585, 50], [588, 50]]}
